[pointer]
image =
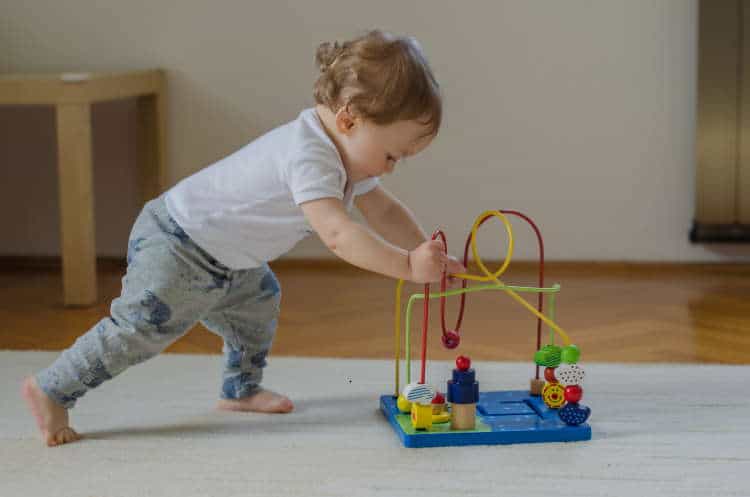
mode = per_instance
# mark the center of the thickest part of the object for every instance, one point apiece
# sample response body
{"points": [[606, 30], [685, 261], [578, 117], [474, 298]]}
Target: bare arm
{"points": [[396, 223], [390, 218], [359, 246]]}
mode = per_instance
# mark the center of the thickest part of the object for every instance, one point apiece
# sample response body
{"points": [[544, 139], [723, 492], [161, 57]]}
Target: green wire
{"points": [[551, 315], [450, 293]]}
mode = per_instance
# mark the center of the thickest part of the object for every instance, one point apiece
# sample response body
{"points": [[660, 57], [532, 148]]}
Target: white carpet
{"points": [[657, 430]]}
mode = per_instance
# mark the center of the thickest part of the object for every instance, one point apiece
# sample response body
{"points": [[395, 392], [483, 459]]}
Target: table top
{"points": [[79, 87]]}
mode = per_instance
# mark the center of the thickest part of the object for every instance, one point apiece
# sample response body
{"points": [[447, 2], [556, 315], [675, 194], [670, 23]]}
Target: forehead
{"points": [[407, 133]]}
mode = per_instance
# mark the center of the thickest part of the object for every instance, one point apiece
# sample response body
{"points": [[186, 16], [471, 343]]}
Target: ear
{"points": [[345, 120]]}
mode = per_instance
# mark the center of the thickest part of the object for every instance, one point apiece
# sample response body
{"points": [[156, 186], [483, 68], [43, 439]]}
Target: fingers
{"points": [[454, 266], [433, 245], [434, 262]]}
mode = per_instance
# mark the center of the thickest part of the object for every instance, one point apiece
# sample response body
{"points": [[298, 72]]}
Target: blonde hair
{"points": [[381, 77]]}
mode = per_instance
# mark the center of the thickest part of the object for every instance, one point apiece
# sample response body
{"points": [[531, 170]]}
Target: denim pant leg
{"points": [[246, 318], [169, 285]]}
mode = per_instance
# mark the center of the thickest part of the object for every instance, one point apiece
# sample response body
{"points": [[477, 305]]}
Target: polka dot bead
{"points": [[570, 374], [574, 414]]}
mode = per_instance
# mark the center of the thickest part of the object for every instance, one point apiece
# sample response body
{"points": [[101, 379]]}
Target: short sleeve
{"points": [[315, 176], [366, 185]]}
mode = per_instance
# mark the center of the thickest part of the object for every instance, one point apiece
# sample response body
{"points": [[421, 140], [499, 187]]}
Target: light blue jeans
{"points": [[171, 284]]}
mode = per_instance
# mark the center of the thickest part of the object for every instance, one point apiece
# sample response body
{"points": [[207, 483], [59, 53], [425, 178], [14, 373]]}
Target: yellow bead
{"points": [[553, 395], [421, 416], [403, 404]]}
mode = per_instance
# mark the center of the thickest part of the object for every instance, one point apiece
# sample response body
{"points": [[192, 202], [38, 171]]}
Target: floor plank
{"points": [[614, 312]]}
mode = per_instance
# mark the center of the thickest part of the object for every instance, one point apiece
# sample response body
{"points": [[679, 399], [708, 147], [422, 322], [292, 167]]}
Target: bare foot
{"points": [[51, 418], [263, 401]]}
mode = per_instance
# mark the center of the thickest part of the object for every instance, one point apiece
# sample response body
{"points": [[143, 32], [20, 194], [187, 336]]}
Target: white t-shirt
{"points": [[244, 209]]}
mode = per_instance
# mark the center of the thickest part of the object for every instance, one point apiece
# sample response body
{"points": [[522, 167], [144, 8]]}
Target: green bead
{"points": [[548, 356], [539, 357], [570, 354]]}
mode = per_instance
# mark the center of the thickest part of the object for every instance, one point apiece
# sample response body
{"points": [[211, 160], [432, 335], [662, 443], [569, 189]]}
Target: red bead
{"points": [[463, 363], [573, 393], [451, 339], [549, 375]]}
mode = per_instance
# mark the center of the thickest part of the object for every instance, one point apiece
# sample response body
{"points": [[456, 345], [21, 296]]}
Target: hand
{"points": [[454, 267], [428, 261]]}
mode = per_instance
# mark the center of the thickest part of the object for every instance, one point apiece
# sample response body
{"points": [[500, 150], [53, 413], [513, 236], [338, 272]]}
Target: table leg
{"points": [[151, 146], [76, 203]]}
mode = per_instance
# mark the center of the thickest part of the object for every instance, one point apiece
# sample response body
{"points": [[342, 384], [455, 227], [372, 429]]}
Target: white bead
{"points": [[419, 392], [570, 374]]}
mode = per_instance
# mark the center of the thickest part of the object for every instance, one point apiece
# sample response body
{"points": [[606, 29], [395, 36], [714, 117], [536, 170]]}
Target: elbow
{"points": [[337, 237], [333, 239]]}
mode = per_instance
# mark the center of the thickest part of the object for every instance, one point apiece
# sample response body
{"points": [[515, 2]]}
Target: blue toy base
{"points": [[508, 417]]}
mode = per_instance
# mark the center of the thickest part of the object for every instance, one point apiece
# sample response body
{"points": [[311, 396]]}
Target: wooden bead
{"points": [[573, 393], [421, 416], [549, 375], [570, 374], [570, 354], [548, 356], [536, 386], [463, 363], [419, 392], [553, 395], [463, 416], [574, 414]]}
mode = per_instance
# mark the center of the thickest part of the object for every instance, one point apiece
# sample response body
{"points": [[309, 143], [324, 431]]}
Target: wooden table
{"points": [[72, 95]]}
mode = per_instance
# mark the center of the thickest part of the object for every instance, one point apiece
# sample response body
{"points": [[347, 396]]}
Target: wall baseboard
{"points": [[54, 263]]}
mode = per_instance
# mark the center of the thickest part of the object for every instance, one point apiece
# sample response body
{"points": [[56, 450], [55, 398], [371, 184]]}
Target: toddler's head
{"points": [[381, 98]]}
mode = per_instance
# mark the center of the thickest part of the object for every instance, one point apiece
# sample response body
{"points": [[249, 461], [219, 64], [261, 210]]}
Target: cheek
{"points": [[366, 152]]}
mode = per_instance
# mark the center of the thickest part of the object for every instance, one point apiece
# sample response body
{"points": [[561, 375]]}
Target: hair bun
{"points": [[326, 54]]}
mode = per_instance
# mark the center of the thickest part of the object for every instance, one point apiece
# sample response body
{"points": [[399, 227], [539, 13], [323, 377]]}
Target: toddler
{"points": [[200, 251]]}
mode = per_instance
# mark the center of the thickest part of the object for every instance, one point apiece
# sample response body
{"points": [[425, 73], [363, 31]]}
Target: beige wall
{"points": [[580, 113]]}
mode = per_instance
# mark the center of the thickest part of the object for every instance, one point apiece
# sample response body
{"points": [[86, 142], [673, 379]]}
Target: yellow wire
{"points": [[488, 276], [495, 277], [399, 286]]}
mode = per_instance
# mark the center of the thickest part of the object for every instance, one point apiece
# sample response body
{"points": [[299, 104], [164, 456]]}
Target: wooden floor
{"points": [[614, 312]]}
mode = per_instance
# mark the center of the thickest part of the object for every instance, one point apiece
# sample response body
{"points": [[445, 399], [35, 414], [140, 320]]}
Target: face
{"points": [[371, 150]]}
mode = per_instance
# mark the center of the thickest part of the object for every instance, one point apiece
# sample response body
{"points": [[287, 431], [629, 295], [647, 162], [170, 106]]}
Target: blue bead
{"points": [[467, 377], [459, 393], [574, 414]]}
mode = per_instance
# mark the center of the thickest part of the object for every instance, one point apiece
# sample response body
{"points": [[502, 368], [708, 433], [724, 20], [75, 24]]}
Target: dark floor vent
{"points": [[720, 233]]}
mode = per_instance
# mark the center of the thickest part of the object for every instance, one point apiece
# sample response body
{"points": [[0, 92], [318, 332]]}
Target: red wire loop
{"points": [[462, 305]]}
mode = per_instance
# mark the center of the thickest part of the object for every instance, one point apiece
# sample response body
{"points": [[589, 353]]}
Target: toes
{"points": [[281, 406], [60, 437], [63, 436], [258, 403], [286, 406], [70, 435], [50, 439]]}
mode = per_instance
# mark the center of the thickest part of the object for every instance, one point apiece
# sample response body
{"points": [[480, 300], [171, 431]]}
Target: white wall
{"points": [[580, 113]]}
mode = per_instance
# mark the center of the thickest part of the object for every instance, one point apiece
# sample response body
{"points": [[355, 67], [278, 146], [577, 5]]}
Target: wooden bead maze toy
{"points": [[549, 411]]}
